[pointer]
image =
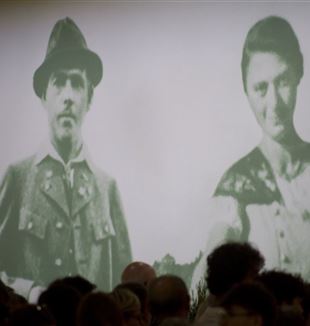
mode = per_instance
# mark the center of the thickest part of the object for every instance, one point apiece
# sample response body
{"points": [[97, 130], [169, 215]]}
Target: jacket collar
{"points": [[47, 149]]}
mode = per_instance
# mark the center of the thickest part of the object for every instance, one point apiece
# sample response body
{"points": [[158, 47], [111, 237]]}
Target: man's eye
{"points": [[284, 82], [59, 80], [77, 82], [261, 89]]}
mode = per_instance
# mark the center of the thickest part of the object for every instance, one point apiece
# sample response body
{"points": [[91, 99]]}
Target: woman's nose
{"points": [[272, 96]]}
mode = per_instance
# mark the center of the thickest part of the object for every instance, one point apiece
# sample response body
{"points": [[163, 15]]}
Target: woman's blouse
{"points": [[251, 204]]}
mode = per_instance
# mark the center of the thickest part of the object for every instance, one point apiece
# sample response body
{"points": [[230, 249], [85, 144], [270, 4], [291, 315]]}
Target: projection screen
{"points": [[168, 118]]}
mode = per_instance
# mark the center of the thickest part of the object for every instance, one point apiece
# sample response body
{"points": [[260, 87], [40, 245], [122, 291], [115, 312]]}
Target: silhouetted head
{"points": [[99, 308], [232, 263], [168, 297], [139, 272], [249, 304]]}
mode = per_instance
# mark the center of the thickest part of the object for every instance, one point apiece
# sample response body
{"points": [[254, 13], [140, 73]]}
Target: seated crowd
{"points": [[237, 291]]}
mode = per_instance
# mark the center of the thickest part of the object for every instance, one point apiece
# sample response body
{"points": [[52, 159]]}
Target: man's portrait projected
{"points": [[151, 131], [60, 214]]}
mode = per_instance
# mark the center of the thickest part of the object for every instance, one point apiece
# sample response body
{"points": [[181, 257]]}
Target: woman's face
{"points": [[271, 86]]}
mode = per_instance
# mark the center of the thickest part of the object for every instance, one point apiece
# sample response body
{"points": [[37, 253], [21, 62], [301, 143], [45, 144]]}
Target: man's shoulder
{"points": [[104, 180], [101, 175], [20, 167], [23, 164], [13, 178]]}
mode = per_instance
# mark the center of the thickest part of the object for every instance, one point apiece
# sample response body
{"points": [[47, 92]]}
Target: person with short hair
{"points": [[99, 308], [130, 306], [289, 291], [62, 302], [227, 265], [60, 215], [30, 314], [139, 272], [141, 292], [264, 197], [79, 283], [168, 297], [249, 304], [230, 264]]}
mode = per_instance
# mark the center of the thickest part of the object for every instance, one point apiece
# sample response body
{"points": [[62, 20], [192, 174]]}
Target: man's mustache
{"points": [[66, 115]]}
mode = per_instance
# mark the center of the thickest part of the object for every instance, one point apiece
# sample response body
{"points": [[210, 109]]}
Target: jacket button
{"points": [[85, 177], [49, 173], [82, 191], [58, 262], [30, 225], [47, 186], [285, 259], [59, 225]]}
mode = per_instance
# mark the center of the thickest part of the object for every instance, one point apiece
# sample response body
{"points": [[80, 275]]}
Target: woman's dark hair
{"points": [[62, 302], [284, 286], [253, 297], [231, 263], [273, 34]]}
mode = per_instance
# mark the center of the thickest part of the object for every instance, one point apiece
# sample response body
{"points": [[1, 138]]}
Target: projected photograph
{"points": [[154, 132]]}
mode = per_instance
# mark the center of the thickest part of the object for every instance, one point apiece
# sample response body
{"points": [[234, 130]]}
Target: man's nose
{"points": [[67, 92]]}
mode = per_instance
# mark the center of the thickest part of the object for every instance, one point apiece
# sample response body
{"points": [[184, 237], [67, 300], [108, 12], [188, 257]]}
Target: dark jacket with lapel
{"points": [[49, 231]]}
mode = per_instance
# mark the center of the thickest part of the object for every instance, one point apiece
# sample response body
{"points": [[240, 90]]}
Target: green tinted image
{"points": [[60, 214], [264, 197], [151, 131]]}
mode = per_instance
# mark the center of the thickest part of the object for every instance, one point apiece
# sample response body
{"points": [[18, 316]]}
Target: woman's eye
{"points": [[261, 88]]}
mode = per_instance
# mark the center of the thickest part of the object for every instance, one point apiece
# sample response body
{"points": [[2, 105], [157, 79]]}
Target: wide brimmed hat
{"points": [[67, 47]]}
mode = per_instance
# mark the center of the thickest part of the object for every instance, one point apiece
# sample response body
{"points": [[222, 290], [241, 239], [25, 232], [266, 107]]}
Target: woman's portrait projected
{"points": [[151, 131], [264, 197]]}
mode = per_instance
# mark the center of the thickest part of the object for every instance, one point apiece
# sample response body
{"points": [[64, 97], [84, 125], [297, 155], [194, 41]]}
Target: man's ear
{"points": [[43, 97], [90, 94]]}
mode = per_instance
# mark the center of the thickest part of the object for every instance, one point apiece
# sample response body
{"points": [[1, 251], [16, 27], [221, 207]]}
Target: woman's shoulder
{"points": [[249, 180]]}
